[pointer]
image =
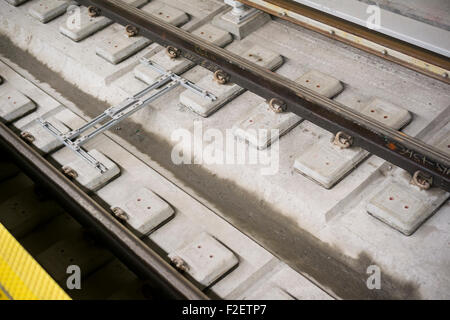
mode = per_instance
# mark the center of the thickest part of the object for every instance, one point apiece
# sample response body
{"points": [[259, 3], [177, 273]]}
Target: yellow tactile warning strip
{"points": [[21, 277]]}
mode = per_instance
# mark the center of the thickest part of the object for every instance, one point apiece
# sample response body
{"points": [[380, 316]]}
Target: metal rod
{"points": [[130, 249], [396, 147]]}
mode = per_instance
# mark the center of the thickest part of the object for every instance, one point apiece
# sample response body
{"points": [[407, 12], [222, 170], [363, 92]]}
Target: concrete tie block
{"points": [[387, 113], [46, 10], [403, 206], [145, 211], [262, 119], [90, 177], [119, 46], [78, 27], [205, 259], [327, 163], [226, 92], [256, 127], [321, 83], [14, 105], [176, 65], [210, 33], [42, 139], [168, 14]]}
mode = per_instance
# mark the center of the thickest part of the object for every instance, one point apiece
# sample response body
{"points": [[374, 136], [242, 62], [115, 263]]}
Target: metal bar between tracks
{"points": [[396, 147], [130, 249]]}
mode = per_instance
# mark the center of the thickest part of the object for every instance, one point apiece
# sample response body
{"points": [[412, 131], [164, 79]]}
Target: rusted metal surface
{"points": [[396, 147]]}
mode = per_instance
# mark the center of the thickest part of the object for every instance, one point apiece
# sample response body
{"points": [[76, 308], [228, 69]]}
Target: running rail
{"points": [[402, 150], [130, 249]]}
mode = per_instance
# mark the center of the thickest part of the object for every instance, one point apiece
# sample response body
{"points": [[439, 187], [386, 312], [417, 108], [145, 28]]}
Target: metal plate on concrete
{"points": [[42, 139], [78, 27], [145, 211], [404, 206], [321, 83], [14, 104], [243, 29], [205, 259], [263, 126], [168, 14], [177, 65], [210, 33], [90, 177], [120, 46], [46, 10], [226, 92]]}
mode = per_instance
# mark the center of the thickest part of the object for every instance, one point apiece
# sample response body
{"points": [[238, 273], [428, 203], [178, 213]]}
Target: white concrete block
{"points": [[120, 46], [44, 141], [210, 33], [177, 65], [226, 92], [168, 14], [80, 28], [262, 119], [256, 127], [387, 113], [206, 259], [146, 211], [90, 177], [176, 233], [321, 83], [46, 10], [16, 2], [326, 163], [14, 104], [404, 206]]}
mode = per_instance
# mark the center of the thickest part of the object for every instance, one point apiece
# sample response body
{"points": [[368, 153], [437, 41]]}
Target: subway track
{"points": [[265, 248]]}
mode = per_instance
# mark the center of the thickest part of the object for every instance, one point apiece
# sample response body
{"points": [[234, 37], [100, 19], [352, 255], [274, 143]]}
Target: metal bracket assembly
{"points": [[166, 82]]}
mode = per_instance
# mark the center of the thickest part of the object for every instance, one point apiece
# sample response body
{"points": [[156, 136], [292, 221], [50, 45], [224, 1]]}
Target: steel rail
{"points": [[396, 147], [130, 249]]}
